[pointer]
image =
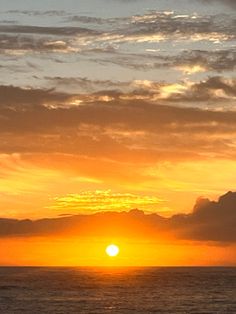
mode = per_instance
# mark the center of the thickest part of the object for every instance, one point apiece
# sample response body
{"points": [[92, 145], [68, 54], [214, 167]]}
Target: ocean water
{"points": [[117, 290]]}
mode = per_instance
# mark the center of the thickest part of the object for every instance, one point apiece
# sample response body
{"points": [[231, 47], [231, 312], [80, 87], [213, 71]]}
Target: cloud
{"points": [[212, 89], [189, 61], [230, 3], [101, 200], [100, 33], [217, 83], [120, 126], [209, 221], [37, 12], [215, 88], [169, 26], [22, 39], [43, 30], [13, 97], [15, 45], [221, 60], [97, 20], [162, 26]]}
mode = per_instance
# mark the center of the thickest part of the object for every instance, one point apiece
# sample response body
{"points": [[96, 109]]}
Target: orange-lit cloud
{"points": [[128, 146], [94, 201], [203, 224], [103, 114]]}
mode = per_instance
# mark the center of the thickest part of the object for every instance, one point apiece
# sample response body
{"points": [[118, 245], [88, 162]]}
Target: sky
{"points": [[107, 106]]}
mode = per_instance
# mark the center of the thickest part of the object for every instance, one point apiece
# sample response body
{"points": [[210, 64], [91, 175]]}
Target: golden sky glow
{"points": [[118, 126]]}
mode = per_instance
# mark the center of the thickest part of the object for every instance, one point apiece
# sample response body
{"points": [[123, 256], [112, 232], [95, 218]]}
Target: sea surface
{"points": [[117, 290]]}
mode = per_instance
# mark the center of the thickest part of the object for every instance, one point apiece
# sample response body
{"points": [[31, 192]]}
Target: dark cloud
{"points": [[43, 30], [208, 60], [221, 60], [216, 83], [115, 125], [47, 106], [38, 13], [213, 89], [97, 20], [13, 97], [11, 43], [204, 90], [87, 86], [209, 221], [230, 3]]}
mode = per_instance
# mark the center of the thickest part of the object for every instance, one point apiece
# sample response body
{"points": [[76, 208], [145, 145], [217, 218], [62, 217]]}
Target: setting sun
{"points": [[112, 250], [117, 156]]}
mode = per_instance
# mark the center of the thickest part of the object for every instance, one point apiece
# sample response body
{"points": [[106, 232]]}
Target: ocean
{"points": [[62, 290]]}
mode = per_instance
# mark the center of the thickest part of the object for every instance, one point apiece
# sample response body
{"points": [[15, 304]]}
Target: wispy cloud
{"points": [[141, 100], [151, 27], [100, 200], [189, 61]]}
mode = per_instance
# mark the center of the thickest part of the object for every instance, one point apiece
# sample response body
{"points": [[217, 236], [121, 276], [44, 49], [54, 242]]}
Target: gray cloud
{"points": [[177, 26], [210, 220], [227, 85], [43, 30], [11, 43], [230, 3], [207, 91], [37, 12], [214, 90], [39, 39], [218, 60], [135, 29]]}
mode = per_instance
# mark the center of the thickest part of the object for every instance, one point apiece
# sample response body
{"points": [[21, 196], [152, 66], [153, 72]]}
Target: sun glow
{"points": [[112, 250]]}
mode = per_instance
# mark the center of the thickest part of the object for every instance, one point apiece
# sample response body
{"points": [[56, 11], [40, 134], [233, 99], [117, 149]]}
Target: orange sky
{"points": [[91, 252], [129, 107]]}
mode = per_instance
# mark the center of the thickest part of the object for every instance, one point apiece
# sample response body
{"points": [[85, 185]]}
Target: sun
{"points": [[112, 250]]}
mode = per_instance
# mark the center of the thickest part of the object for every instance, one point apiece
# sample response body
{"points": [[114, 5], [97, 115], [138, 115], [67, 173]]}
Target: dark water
{"points": [[103, 290]]}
